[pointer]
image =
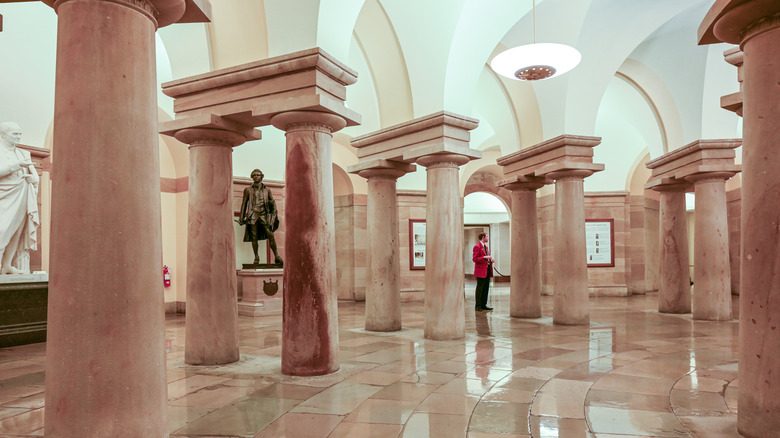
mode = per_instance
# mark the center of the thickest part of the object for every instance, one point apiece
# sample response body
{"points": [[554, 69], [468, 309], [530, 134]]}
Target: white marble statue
{"points": [[18, 202]]}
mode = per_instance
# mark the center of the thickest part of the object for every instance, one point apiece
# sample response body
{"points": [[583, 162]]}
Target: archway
{"points": [[486, 212]]}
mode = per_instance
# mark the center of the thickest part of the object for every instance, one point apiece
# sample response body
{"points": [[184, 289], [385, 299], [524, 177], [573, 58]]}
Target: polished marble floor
{"points": [[631, 373]]}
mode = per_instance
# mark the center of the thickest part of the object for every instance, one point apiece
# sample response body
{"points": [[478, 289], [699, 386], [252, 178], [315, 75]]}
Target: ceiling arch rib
{"points": [[384, 57], [625, 25]]}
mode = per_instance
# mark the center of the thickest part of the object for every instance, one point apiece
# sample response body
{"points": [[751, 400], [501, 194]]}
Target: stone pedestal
{"points": [[755, 26], [310, 340], [263, 290], [525, 300], [105, 357], [570, 283], [712, 271], [212, 316], [23, 299], [444, 317], [674, 287], [383, 270]]}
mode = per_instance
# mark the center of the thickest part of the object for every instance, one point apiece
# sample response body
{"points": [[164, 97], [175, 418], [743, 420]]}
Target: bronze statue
{"points": [[258, 213]]}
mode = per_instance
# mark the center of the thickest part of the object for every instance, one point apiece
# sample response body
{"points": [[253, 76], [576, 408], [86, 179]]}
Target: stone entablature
{"points": [[439, 133], [694, 161], [733, 102], [559, 154], [250, 95]]}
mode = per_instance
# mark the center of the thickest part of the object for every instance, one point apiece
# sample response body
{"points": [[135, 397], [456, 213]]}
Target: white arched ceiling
{"points": [[362, 96], [661, 101], [492, 107], [303, 24], [188, 49], [720, 79], [238, 32], [379, 44], [28, 44], [621, 27], [628, 127]]}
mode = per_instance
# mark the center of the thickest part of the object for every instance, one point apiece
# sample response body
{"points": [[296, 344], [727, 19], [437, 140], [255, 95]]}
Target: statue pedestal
{"points": [[23, 301], [262, 292]]}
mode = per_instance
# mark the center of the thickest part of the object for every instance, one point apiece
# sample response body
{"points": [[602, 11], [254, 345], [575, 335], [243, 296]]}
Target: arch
{"points": [[485, 181], [639, 174], [342, 185]]}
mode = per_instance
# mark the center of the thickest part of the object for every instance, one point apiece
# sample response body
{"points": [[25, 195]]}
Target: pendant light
{"points": [[533, 62]]}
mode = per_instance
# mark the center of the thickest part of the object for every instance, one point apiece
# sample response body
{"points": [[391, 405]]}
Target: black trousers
{"points": [[481, 293]]}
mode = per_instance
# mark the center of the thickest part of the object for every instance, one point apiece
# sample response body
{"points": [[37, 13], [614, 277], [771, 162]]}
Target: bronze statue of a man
{"points": [[258, 213]]}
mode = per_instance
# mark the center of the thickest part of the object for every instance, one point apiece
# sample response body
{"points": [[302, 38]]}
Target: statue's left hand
{"points": [[30, 178]]}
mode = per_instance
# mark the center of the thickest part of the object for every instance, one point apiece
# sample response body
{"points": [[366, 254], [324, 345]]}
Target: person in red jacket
{"points": [[483, 270]]}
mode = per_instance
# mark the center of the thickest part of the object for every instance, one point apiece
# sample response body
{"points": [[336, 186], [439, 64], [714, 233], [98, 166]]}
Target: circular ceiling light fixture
{"points": [[533, 62]]}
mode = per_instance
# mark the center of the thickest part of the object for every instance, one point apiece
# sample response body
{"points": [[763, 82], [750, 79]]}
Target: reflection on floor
{"points": [[633, 372]]}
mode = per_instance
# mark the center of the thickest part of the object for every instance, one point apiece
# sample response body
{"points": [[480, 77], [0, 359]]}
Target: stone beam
{"points": [[562, 153], [701, 156], [251, 94], [435, 134]]}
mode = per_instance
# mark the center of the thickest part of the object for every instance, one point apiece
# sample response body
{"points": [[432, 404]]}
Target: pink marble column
{"points": [[444, 294], [105, 358], [674, 287], [570, 285], [759, 313], [383, 268], [711, 269], [211, 324], [310, 341], [525, 279]]}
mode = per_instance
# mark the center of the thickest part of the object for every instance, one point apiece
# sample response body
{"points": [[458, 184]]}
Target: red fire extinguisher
{"points": [[166, 276]]}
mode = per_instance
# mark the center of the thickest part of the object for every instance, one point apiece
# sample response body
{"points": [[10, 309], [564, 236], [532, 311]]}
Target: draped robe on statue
{"points": [[18, 205]]}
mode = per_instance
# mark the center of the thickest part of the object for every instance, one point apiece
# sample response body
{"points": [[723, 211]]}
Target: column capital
{"points": [[735, 21], [195, 137], [669, 185], [571, 174], [209, 126], [162, 12], [308, 121], [438, 161], [522, 183], [382, 168], [710, 176]]}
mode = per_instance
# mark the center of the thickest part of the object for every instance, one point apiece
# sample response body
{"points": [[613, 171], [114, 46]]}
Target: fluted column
{"points": [[674, 287], [211, 323], [444, 317], [310, 341], [105, 358], [383, 267], [712, 271], [525, 280], [570, 285]]}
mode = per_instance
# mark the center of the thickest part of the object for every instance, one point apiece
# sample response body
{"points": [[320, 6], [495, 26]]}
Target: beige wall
{"points": [[411, 205], [351, 246]]}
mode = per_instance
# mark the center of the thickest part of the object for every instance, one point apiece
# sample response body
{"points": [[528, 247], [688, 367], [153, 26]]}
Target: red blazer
{"points": [[481, 265]]}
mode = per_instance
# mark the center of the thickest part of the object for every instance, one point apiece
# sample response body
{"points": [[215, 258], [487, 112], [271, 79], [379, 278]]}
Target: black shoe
{"points": [[487, 308], [478, 309]]}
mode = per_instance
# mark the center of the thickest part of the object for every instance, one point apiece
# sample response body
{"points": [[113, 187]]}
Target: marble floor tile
{"points": [[698, 403], [301, 425], [427, 425], [453, 404], [405, 391], [551, 427], [500, 417], [340, 399], [23, 424], [245, 418], [635, 384], [376, 378], [382, 411], [628, 400], [366, 430], [616, 421]]}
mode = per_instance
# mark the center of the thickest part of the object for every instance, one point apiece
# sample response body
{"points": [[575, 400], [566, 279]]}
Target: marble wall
{"points": [[351, 246], [411, 205], [636, 245], [652, 249]]}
